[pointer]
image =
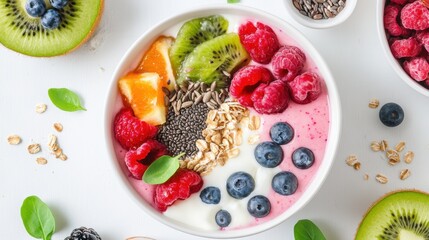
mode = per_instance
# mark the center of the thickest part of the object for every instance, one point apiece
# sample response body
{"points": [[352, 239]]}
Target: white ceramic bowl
{"points": [[322, 23], [131, 59], [392, 60]]}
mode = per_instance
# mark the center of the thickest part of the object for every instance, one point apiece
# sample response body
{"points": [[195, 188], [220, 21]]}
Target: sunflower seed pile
{"points": [[319, 9]]}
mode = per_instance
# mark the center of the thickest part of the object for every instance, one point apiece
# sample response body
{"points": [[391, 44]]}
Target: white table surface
{"points": [[83, 191]]}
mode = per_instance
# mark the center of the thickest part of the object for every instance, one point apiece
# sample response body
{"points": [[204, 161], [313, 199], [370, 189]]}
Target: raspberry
{"points": [[305, 88], [417, 68], [391, 24], [246, 80], [260, 41], [423, 38], [400, 2], [415, 16], [271, 98], [287, 63], [180, 186], [139, 159], [130, 131], [409, 47]]}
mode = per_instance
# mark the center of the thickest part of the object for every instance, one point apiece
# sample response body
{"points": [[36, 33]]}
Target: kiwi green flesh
{"points": [[25, 34], [214, 60], [193, 33], [399, 216]]}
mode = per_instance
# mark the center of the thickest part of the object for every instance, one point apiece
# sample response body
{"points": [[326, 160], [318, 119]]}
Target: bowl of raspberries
{"points": [[403, 27]]}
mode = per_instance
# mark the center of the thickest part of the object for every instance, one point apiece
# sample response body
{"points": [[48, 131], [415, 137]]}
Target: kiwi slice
{"points": [[214, 60], [400, 215], [25, 34], [193, 33]]}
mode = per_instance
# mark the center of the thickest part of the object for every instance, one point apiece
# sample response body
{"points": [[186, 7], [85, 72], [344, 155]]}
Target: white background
{"points": [[83, 190]]}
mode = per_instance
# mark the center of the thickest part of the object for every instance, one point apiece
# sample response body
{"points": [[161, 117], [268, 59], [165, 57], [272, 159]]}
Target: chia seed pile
{"points": [[319, 9], [180, 132]]}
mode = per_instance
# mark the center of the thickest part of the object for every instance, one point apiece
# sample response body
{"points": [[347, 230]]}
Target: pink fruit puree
{"points": [[311, 126]]}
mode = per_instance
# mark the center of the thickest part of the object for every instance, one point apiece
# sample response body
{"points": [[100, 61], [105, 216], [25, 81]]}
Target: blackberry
{"points": [[83, 233]]}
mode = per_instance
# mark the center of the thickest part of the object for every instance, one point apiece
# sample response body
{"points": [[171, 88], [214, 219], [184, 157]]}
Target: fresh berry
{"points": [[259, 206], [210, 195], [246, 80], [35, 8], [271, 98], [287, 63], [179, 187], [423, 39], [268, 154], [83, 233], [138, 160], [417, 68], [240, 184], [281, 133], [303, 158], [285, 183], [415, 16], [58, 4], [51, 19], [400, 2], [223, 218], [391, 114], [305, 88], [391, 23], [129, 131], [260, 41], [409, 47]]}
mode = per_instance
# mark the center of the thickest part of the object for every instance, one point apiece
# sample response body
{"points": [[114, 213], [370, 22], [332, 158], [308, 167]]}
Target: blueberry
{"points": [[240, 184], [284, 183], [223, 218], [391, 114], [35, 8], [58, 4], [269, 154], [259, 206], [281, 133], [303, 158], [51, 19], [210, 195]]}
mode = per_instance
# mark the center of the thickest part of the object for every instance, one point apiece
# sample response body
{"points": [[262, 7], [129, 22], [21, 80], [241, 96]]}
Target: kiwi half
{"points": [[402, 215], [193, 33], [214, 60], [25, 34]]}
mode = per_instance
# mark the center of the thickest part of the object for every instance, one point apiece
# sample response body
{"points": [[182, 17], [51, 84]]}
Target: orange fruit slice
{"points": [[143, 93], [157, 60]]}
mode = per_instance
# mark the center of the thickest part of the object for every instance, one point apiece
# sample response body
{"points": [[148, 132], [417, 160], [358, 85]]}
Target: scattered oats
{"points": [[41, 108], [14, 139], [255, 122], [393, 157], [41, 161], [383, 145], [381, 178], [55, 148], [58, 127], [366, 177], [373, 103], [375, 146], [408, 157], [405, 173], [351, 160], [63, 157], [400, 146], [34, 148], [356, 166], [253, 139]]}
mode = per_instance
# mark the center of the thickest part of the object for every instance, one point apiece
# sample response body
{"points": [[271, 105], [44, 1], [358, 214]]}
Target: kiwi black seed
{"points": [[193, 33], [214, 60], [402, 215], [25, 34]]}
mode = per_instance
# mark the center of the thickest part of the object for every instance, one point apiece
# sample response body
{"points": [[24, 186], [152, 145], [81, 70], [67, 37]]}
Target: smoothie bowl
{"points": [[222, 121]]}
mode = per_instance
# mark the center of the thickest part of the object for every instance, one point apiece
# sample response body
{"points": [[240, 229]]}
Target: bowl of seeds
{"points": [[209, 141], [320, 13]]}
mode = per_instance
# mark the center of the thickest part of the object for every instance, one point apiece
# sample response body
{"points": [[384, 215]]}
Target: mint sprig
{"points": [[162, 169], [65, 99], [37, 218], [306, 230]]}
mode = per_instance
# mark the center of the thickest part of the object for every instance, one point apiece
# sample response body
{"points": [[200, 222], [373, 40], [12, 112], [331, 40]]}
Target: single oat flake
{"points": [[408, 157], [351, 160], [41, 108], [58, 127], [373, 103], [404, 174], [14, 139], [381, 178], [41, 161], [34, 148]]}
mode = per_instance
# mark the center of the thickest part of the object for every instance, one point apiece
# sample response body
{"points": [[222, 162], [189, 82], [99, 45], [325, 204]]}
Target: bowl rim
{"points": [[388, 53], [323, 23], [334, 109]]}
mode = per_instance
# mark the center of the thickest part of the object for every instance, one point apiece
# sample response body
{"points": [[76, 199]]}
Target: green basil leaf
{"points": [[233, 1], [162, 169], [37, 218], [306, 230], [65, 99]]}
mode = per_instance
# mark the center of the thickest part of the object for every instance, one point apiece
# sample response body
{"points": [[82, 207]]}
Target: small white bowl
{"points": [[322, 23], [392, 60], [130, 61]]}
